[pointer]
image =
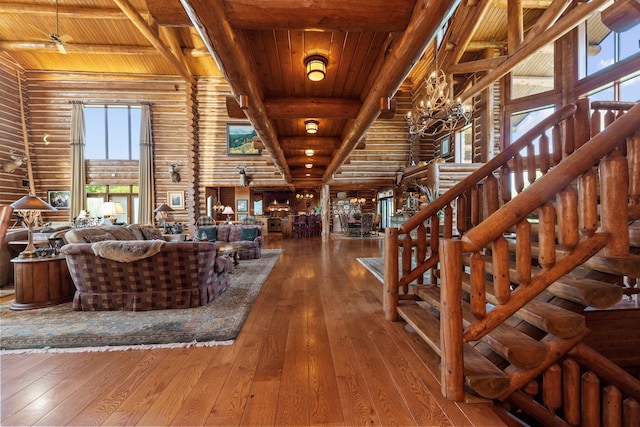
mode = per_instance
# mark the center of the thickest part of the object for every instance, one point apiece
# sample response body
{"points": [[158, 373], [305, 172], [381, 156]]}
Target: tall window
{"points": [[112, 132], [464, 145]]}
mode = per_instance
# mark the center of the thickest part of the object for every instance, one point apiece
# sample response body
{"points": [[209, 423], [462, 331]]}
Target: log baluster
{"points": [[633, 158], [552, 388], [547, 236], [390, 294], [452, 371], [556, 135], [590, 400], [569, 136], [531, 163], [421, 250], [609, 118], [523, 252], [630, 413], [518, 173], [588, 203], [434, 243], [448, 222], [491, 201], [596, 120], [505, 183], [612, 407], [568, 218], [583, 130], [475, 206], [461, 213], [478, 297], [614, 189], [500, 259], [571, 391], [532, 388], [407, 252], [545, 161]]}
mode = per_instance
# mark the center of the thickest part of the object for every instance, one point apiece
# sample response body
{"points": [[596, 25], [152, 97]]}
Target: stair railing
{"points": [[572, 184]]}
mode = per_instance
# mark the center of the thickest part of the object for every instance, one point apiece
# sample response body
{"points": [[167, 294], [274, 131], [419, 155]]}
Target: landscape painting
{"points": [[240, 139]]}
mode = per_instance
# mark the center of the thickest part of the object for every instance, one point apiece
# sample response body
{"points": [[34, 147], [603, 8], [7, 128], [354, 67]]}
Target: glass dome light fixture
{"points": [[308, 165], [316, 66], [311, 126], [309, 152]]}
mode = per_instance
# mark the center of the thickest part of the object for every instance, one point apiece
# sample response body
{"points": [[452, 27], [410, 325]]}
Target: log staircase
{"points": [[528, 242]]}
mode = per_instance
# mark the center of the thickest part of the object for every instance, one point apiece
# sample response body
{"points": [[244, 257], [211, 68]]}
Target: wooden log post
{"points": [[556, 135], [518, 171], [612, 407], [590, 400], [547, 236], [531, 163], [475, 206], [630, 413], [552, 388], [421, 250], [571, 391], [452, 363], [448, 222], [500, 259], [588, 203], [567, 201], [407, 254], [505, 183], [461, 213], [523, 252], [390, 295], [545, 160], [478, 296], [614, 189], [490, 192], [633, 157]]}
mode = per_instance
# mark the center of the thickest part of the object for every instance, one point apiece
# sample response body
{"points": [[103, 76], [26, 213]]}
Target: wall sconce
{"points": [[311, 126], [316, 67], [29, 207], [309, 152]]}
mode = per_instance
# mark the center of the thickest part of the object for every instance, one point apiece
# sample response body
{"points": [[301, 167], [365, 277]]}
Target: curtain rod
{"points": [[111, 102]]}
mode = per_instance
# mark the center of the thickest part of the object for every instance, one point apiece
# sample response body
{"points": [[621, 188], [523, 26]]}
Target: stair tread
{"points": [[480, 374], [511, 344], [548, 317], [585, 291]]}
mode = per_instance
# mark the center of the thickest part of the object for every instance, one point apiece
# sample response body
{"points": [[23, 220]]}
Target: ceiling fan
{"points": [[59, 40]]}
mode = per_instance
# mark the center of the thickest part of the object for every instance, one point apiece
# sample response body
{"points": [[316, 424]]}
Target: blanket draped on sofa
{"points": [[127, 251]]}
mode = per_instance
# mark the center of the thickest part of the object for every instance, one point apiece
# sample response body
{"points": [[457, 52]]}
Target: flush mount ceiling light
{"points": [[308, 165], [309, 152], [316, 67], [311, 126]]}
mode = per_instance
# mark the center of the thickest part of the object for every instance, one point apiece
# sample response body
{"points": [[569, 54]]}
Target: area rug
{"points": [[60, 329]]}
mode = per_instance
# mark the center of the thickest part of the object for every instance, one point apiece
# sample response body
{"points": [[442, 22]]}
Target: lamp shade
{"points": [[228, 210], [107, 209], [31, 203], [164, 208]]}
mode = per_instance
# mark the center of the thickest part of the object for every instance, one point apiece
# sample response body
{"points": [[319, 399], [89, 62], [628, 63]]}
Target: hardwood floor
{"points": [[315, 350]]}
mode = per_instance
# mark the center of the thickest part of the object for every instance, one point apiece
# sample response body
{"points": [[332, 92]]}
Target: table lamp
{"points": [[228, 211], [162, 213], [29, 208], [109, 210]]}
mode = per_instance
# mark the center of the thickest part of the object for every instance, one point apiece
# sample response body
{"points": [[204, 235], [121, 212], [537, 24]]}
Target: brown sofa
{"points": [[179, 275]]}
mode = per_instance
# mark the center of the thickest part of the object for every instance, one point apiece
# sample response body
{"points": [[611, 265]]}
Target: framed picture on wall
{"points": [[242, 205], [240, 139], [175, 199], [444, 146], [242, 217], [59, 199]]}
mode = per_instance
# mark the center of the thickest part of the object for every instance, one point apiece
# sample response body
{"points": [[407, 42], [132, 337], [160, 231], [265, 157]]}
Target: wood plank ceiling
{"points": [[371, 47]]}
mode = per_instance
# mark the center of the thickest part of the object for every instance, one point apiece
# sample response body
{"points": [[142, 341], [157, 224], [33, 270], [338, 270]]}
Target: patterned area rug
{"points": [[59, 328]]}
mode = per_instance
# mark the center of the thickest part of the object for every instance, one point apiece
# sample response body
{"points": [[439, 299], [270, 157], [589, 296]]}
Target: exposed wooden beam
{"points": [[169, 34], [475, 66], [425, 21], [548, 18], [168, 13], [577, 15], [515, 25], [325, 15], [289, 108], [229, 50], [622, 15], [527, 4], [72, 48], [153, 38], [464, 26], [64, 11], [303, 142]]}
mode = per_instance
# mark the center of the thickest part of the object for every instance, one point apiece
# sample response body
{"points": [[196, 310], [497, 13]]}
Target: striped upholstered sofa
{"points": [[177, 275], [249, 236]]}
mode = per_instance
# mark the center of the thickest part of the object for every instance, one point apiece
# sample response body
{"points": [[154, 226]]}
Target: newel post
{"points": [[452, 363], [390, 291]]}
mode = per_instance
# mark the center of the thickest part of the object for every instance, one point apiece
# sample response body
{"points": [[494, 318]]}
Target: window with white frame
{"points": [[464, 145], [112, 132]]}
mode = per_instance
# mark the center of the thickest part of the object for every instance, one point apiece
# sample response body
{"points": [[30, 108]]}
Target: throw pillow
{"points": [[210, 232], [151, 233], [248, 233], [98, 237]]}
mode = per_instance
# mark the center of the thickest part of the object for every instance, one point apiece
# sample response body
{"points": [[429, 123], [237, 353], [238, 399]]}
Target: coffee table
{"points": [[231, 249]]}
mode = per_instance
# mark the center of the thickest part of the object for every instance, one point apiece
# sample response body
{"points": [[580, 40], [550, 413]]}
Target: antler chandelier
{"points": [[436, 111]]}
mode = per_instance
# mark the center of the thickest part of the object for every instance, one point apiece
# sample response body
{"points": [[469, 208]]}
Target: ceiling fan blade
{"points": [[61, 48], [65, 38]]}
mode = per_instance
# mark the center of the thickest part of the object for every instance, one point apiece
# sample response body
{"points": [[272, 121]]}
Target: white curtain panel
{"points": [[78, 171], [147, 188]]}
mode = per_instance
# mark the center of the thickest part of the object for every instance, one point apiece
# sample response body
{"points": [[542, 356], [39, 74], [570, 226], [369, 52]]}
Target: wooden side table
{"points": [[41, 282]]}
